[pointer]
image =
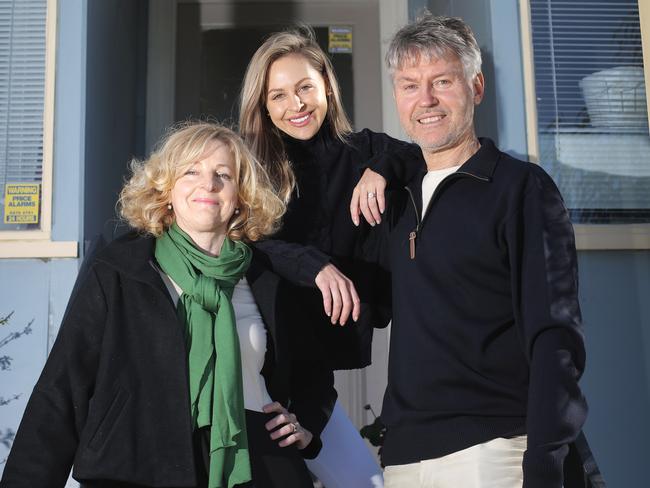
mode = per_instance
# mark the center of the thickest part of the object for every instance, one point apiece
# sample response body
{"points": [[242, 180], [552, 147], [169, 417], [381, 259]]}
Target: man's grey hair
{"points": [[431, 36]]}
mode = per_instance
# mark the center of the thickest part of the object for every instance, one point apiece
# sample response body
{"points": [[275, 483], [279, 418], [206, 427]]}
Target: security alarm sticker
{"points": [[340, 39], [22, 203]]}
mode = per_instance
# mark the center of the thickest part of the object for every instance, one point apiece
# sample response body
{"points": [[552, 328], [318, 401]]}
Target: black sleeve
{"points": [[312, 400], [47, 439], [373, 277], [375, 240], [397, 161], [545, 298], [296, 263]]}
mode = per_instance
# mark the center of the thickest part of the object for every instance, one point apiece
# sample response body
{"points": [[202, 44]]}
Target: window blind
{"points": [[22, 91], [591, 107]]}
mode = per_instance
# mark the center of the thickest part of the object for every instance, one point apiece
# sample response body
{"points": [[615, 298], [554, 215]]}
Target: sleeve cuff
{"points": [[544, 469], [314, 261], [312, 449], [381, 164]]}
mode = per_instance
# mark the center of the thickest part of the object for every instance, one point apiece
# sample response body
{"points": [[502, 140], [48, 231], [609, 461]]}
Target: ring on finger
{"points": [[371, 195], [294, 426]]}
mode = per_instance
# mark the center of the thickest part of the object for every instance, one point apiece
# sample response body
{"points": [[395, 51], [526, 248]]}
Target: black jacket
{"points": [[317, 229], [113, 399], [487, 338]]}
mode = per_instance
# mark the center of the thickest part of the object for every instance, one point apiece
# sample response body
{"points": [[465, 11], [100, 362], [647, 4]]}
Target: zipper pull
{"points": [[412, 237]]}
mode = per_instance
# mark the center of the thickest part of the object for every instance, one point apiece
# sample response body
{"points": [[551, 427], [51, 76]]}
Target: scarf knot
{"points": [[207, 292]]}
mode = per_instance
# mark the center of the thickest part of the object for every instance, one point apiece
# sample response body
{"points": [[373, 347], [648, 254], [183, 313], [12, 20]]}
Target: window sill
{"points": [[612, 237], [38, 249]]}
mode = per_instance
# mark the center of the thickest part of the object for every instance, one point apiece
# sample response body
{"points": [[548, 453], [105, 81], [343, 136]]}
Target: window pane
{"points": [[22, 91], [591, 107]]}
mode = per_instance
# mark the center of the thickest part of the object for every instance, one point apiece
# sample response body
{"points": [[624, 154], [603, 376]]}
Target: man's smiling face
{"points": [[435, 102]]}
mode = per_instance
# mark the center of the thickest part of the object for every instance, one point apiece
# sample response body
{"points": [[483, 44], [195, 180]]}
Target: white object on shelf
{"points": [[614, 154], [616, 97]]}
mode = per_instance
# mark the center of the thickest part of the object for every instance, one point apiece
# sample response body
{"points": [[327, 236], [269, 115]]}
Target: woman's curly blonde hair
{"points": [[144, 199]]}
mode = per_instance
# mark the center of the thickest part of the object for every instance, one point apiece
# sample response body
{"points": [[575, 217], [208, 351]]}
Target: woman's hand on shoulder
{"points": [[340, 297], [285, 425], [368, 198]]}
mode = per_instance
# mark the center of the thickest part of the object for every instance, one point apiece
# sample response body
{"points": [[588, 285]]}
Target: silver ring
{"points": [[295, 426], [371, 195]]}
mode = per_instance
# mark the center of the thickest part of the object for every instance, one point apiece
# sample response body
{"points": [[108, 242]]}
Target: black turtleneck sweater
{"points": [[318, 219]]}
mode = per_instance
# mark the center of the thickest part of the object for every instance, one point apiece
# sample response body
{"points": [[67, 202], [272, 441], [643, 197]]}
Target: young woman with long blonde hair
{"points": [[292, 117]]}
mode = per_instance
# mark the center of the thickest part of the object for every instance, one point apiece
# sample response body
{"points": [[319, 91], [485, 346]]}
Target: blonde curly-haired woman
{"points": [[170, 367]]}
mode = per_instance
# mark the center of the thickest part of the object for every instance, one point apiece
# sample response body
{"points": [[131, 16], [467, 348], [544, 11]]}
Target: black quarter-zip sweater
{"points": [[487, 338]]}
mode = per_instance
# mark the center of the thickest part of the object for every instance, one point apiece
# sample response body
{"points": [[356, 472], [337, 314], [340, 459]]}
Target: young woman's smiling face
{"points": [[296, 96]]}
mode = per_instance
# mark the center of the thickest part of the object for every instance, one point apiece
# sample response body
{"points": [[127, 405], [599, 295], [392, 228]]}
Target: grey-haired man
{"points": [[486, 345]]}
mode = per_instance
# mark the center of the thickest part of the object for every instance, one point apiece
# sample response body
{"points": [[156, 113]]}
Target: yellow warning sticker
{"points": [[340, 39], [22, 203]]}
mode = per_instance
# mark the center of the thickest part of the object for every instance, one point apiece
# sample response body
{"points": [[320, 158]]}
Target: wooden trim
{"points": [[48, 116], [612, 237], [31, 235], [644, 21], [36, 249], [528, 63]]}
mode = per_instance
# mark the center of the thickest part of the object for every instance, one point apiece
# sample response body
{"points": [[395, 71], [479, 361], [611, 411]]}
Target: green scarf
{"points": [[205, 308]]}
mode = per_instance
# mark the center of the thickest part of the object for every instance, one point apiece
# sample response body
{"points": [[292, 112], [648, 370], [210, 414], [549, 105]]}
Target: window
{"points": [[22, 98], [588, 119], [27, 46]]}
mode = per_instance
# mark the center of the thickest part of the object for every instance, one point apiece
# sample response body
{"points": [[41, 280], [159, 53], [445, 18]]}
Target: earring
{"points": [[169, 207], [237, 211]]}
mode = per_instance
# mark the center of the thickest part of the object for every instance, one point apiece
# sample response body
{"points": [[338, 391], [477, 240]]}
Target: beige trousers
{"points": [[494, 464]]}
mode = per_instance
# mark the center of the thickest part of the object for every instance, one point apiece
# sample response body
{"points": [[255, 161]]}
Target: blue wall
{"points": [[36, 289], [98, 128], [614, 291]]}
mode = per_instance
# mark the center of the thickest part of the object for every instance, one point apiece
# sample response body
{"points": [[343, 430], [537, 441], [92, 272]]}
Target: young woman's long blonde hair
{"points": [[256, 126], [144, 200]]}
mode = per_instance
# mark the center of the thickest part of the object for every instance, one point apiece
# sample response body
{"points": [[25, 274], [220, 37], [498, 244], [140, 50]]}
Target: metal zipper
{"points": [[420, 220]]}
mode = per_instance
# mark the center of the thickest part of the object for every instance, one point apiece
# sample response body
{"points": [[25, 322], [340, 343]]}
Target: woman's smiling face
{"points": [[205, 195], [296, 96]]}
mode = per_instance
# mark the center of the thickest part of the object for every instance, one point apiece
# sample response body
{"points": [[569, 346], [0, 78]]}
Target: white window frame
{"points": [[588, 236], [38, 243]]}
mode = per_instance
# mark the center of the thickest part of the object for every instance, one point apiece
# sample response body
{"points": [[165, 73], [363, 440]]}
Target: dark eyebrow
{"points": [[298, 83]]}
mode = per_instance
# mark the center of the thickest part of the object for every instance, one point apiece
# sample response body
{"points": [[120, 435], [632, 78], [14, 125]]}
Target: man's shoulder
{"points": [[515, 166], [524, 177]]}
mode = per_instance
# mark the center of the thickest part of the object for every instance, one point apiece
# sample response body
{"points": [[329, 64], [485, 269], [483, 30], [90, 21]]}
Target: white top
{"points": [[431, 181], [252, 341]]}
